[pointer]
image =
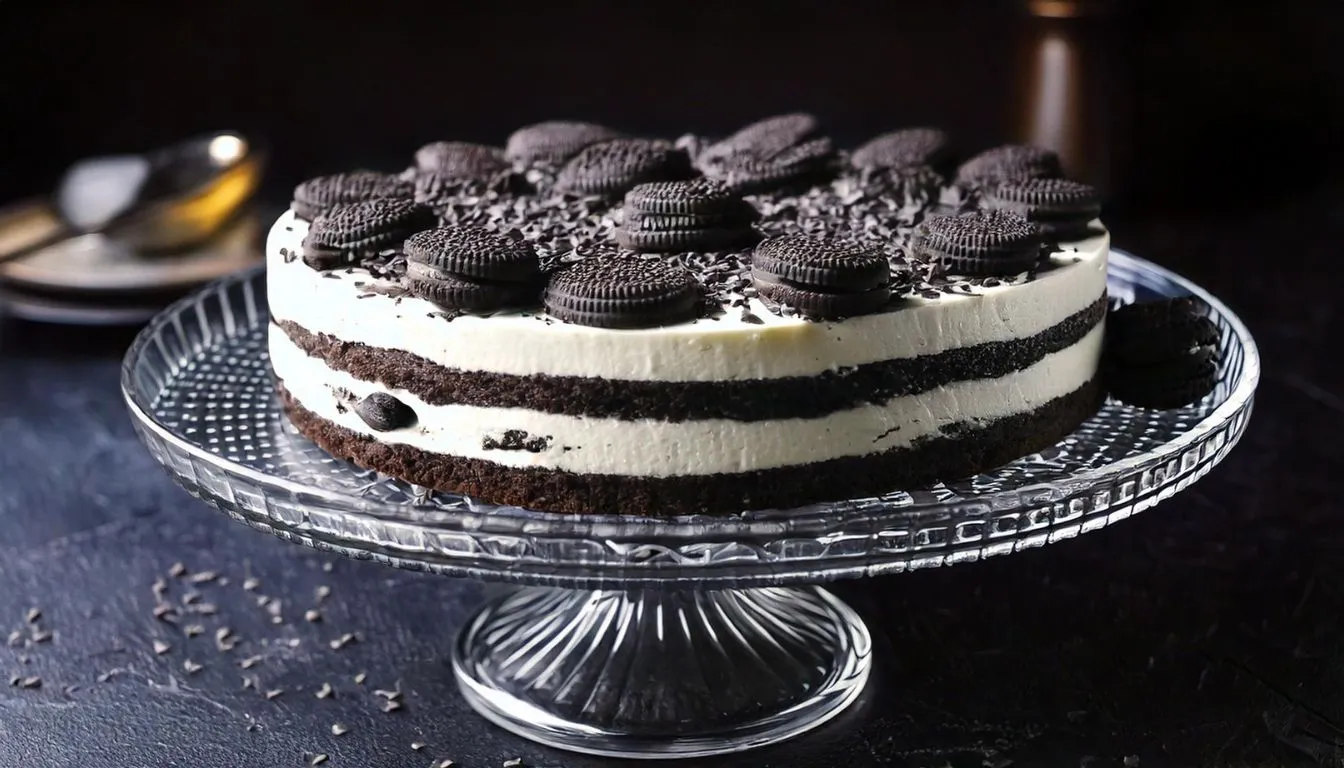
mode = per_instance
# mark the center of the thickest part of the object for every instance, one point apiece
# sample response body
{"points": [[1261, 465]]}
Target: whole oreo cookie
{"points": [[623, 292], [978, 243], [349, 231], [460, 160], [1177, 335], [636, 221], [764, 138], [695, 215], [452, 291], [1161, 354], [691, 197], [1011, 162], [612, 168], [801, 165], [384, 413], [906, 148], [474, 253], [554, 141], [317, 196], [821, 278], [1062, 208], [1164, 386], [669, 239]]}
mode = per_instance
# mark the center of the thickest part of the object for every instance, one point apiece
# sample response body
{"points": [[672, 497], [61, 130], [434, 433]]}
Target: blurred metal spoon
{"points": [[166, 199]]}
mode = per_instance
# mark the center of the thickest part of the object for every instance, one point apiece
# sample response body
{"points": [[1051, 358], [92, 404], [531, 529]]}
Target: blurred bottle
{"points": [[1069, 97]]}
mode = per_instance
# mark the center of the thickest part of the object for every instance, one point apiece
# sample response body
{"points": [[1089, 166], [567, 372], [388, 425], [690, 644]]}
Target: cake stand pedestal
{"points": [[641, 637]]}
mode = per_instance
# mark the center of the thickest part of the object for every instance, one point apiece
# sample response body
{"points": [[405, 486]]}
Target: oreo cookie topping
{"points": [[819, 277], [554, 141], [358, 229], [764, 138], [317, 196], [794, 167], [623, 292], [1062, 208], [474, 252], [471, 268], [979, 243], [695, 215], [611, 168], [906, 148], [1161, 354], [692, 197], [460, 160], [1010, 162], [779, 178], [776, 153]]}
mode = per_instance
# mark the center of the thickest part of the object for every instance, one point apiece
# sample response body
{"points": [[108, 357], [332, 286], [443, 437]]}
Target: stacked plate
{"points": [[123, 237]]}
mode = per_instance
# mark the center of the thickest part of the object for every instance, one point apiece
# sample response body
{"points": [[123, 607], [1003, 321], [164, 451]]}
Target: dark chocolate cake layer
{"points": [[958, 452]]}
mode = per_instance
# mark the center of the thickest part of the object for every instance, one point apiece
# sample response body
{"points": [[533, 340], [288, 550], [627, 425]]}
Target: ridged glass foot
{"points": [[649, 673]]}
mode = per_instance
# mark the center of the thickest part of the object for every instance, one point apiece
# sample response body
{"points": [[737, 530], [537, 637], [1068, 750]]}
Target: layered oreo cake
{"points": [[584, 321]]}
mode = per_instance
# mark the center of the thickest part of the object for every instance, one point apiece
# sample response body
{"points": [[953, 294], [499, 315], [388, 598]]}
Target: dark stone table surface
{"points": [[1205, 632]]}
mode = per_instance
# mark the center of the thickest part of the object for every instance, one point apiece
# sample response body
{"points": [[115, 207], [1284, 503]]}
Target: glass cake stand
{"points": [[640, 637]]}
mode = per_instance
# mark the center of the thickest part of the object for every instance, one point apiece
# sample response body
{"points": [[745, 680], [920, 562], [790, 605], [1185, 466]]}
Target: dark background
{"points": [[1207, 632], [1200, 102]]}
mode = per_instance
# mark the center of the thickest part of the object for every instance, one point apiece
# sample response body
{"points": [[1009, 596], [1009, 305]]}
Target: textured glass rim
{"points": [[814, 523]]}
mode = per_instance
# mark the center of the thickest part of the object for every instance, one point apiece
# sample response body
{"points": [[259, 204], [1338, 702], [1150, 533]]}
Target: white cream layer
{"points": [[657, 449], [725, 349]]}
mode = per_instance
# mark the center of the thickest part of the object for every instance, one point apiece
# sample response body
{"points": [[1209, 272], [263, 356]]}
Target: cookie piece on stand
{"points": [[1161, 354]]}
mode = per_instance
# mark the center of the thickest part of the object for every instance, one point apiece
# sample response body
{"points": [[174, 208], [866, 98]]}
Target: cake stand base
{"points": [[674, 673]]}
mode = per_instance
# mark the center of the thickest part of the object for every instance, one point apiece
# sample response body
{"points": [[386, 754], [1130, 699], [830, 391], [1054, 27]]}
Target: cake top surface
{"points": [[576, 191]]}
